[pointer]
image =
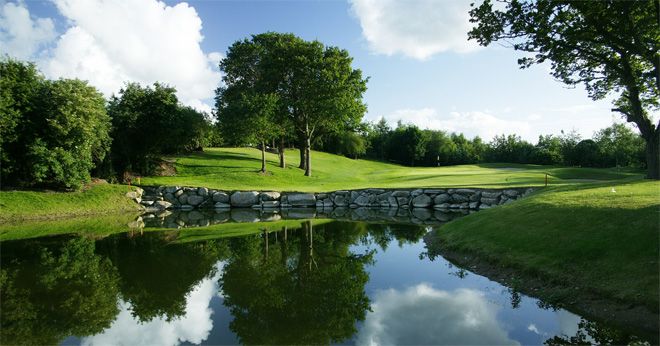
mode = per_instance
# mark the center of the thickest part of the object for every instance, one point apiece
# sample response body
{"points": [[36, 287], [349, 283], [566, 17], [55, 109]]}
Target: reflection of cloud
{"points": [[193, 327], [422, 315]]}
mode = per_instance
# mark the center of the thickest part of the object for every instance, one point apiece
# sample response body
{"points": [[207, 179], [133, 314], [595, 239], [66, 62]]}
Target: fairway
{"points": [[237, 169]]}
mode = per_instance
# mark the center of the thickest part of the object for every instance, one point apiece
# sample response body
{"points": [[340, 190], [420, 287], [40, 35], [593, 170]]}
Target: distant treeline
{"points": [[613, 146], [56, 133]]}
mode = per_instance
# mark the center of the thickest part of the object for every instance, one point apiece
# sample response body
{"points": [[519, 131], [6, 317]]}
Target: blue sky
{"points": [[422, 69]]}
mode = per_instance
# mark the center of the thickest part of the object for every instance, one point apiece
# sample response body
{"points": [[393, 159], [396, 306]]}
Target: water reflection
{"points": [[284, 282]]}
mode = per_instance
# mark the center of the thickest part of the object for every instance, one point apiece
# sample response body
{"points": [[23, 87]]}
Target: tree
{"points": [[609, 46], [317, 89], [53, 132], [619, 146], [407, 144]]}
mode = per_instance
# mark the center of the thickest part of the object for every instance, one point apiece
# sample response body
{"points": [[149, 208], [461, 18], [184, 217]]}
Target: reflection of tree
{"points": [[591, 333], [383, 234], [52, 289], [156, 276], [309, 289]]}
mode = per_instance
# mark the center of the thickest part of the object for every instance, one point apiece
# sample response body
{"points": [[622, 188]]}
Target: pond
{"points": [[288, 281]]}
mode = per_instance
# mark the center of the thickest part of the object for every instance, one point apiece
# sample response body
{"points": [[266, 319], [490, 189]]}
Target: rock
{"points": [[488, 201], [178, 193], [464, 191], [392, 201], [454, 206], [400, 194], [321, 196], [375, 191], [269, 196], [221, 205], [464, 205], [170, 197], [434, 191], [183, 199], [362, 201], [195, 200], [511, 193], [485, 206], [162, 205], [186, 207], [270, 204], [458, 198], [170, 189], [475, 196], [327, 203], [139, 191], [354, 195], [421, 201], [490, 194], [221, 197], [133, 195], [147, 203], [244, 199], [402, 201], [202, 191], [302, 199], [340, 200], [416, 192], [442, 198], [195, 216], [442, 206], [473, 205]]}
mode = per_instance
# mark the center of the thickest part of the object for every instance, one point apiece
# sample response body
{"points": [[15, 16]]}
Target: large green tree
{"points": [[609, 46], [317, 89], [52, 132]]}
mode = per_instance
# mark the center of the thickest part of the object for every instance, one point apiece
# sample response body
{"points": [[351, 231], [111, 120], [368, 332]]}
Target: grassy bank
{"points": [[94, 199], [597, 240], [236, 169]]}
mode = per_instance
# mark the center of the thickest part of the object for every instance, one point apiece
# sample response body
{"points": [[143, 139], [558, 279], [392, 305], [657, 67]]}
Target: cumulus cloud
{"points": [[473, 123], [111, 42], [417, 29], [20, 34], [193, 327], [422, 315]]}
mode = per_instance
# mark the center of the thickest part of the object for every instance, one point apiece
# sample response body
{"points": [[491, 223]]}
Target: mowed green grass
{"points": [[94, 199], [601, 238], [237, 169]]}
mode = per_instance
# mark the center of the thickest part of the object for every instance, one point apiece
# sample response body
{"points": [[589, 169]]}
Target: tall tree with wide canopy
{"points": [[317, 89], [609, 46]]}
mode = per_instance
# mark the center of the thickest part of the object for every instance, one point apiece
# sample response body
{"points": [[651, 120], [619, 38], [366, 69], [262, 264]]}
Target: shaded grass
{"points": [[94, 199], [237, 169], [587, 237]]}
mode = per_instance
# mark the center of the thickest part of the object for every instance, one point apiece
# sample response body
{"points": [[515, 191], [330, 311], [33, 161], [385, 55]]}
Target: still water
{"points": [[296, 281]]}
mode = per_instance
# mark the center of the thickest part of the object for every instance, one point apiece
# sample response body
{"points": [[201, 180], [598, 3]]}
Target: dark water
{"points": [[288, 282]]}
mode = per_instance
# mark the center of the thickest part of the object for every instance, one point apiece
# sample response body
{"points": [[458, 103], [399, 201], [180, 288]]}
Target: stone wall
{"points": [[189, 198]]}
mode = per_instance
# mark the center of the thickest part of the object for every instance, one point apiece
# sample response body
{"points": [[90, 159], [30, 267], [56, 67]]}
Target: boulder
{"points": [[177, 193], [402, 201], [133, 195], [458, 198], [491, 194], [302, 199], [170, 189], [434, 191], [362, 201], [473, 205], [202, 191], [392, 201], [400, 194], [422, 213], [441, 198], [417, 192], [195, 200], [340, 200], [475, 196], [442, 206], [464, 191], [162, 205], [269, 196], [488, 201], [244, 199], [511, 193], [421, 201], [221, 205], [183, 199], [186, 207], [220, 197]]}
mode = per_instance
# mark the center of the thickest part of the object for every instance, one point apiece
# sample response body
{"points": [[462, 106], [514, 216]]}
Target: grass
{"points": [[94, 199], [600, 238], [237, 169]]}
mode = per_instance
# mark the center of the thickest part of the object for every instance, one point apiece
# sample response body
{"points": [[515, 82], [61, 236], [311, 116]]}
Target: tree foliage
{"points": [[610, 47], [53, 132]]}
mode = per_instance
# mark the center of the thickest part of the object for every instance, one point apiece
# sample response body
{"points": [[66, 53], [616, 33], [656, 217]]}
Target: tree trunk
{"points": [[653, 156], [303, 157], [308, 157], [263, 157], [281, 152]]}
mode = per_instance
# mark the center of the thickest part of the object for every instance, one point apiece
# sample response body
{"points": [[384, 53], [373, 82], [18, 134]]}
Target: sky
{"points": [[421, 67]]}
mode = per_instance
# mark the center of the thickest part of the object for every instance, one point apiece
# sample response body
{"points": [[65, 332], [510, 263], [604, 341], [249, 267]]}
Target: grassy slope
{"points": [[96, 199], [595, 239], [236, 169]]}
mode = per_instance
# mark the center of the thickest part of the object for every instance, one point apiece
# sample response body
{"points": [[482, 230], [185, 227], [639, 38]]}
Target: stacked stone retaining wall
{"points": [[191, 198]]}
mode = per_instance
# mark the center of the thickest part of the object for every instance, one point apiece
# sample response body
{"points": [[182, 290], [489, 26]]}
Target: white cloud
{"points": [[193, 327], [20, 35], [418, 29], [111, 42], [474, 123], [422, 315]]}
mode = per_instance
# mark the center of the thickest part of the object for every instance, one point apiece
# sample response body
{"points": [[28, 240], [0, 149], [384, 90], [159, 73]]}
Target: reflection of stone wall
{"points": [[188, 198], [203, 218]]}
